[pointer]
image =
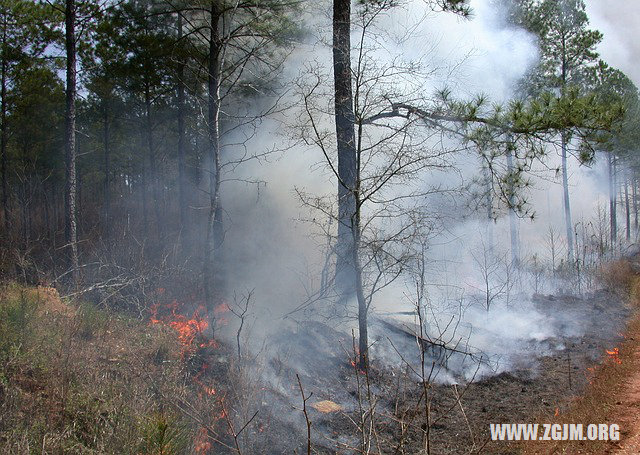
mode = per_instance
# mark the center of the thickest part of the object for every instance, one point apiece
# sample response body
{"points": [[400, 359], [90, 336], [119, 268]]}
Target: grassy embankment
{"points": [[77, 379]]}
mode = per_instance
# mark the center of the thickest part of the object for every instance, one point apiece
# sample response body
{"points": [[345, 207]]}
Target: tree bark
{"points": [[70, 143], [56, 213], [145, 189], [348, 278], [345, 279], [3, 129], [489, 203], [181, 140], [153, 168], [212, 244], [513, 221], [567, 205], [363, 307], [626, 204], [634, 198], [613, 225], [107, 170]]}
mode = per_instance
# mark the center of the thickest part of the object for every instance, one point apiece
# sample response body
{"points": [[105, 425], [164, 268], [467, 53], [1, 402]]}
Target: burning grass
{"points": [[78, 379]]}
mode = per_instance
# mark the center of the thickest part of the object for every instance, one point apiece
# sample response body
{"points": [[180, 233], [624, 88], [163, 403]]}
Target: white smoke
{"points": [[280, 257]]}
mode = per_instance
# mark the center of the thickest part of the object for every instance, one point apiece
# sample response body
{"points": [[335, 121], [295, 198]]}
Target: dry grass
{"points": [[77, 379], [619, 277]]}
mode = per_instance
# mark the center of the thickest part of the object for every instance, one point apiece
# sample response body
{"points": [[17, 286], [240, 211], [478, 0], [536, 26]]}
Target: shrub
{"points": [[163, 435], [618, 277], [17, 311], [91, 321]]}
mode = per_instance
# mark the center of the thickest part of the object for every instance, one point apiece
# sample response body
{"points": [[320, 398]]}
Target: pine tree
{"points": [[25, 31], [567, 49]]}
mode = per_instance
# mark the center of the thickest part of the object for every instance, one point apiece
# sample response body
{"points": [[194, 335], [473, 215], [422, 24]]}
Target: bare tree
{"points": [[494, 275], [376, 156]]}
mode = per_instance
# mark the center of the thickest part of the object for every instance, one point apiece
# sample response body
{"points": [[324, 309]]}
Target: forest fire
{"points": [[614, 355], [210, 391], [589, 374], [190, 331], [232, 199], [188, 328]]}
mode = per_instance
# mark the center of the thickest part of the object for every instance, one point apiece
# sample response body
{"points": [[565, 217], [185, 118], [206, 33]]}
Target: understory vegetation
{"points": [[77, 379]]}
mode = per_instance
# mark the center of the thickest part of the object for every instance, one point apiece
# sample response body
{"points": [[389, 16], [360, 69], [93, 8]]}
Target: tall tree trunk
{"points": [[46, 209], [24, 200], [565, 176], [613, 225], [70, 143], [145, 192], [107, 170], [363, 308], [567, 205], [79, 195], [513, 221], [489, 203], [3, 128], [347, 166], [634, 190], [182, 201], [212, 245], [626, 204], [56, 213], [153, 168], [348, 269]]}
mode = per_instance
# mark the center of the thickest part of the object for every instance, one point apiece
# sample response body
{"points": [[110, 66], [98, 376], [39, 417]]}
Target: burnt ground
{"points": [[459, 413]]}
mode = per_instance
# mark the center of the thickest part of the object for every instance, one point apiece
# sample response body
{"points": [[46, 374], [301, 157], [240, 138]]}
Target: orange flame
{"points": [[188, 328], [205, 388], [614, 354], [190, 334], [354, 361]]}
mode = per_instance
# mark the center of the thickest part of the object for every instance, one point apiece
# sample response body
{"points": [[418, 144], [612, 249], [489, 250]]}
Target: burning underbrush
{"points": [[98, 381], [77, 379]]}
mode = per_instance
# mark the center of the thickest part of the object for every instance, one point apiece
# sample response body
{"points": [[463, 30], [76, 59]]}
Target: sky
{"points": [[619, 21]]}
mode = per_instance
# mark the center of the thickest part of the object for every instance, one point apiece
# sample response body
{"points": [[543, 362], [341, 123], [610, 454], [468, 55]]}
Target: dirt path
{"points": [[628, 410]]}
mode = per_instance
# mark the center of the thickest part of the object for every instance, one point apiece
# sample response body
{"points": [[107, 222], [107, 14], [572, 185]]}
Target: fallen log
{"points": [[437, 348]]}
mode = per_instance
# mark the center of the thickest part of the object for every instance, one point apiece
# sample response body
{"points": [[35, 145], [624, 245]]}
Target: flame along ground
{"points": [[190, 332], [614, 355]]}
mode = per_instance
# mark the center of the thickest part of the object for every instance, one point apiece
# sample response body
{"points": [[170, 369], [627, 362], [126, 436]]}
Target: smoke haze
{"points": [[280, 255]]}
